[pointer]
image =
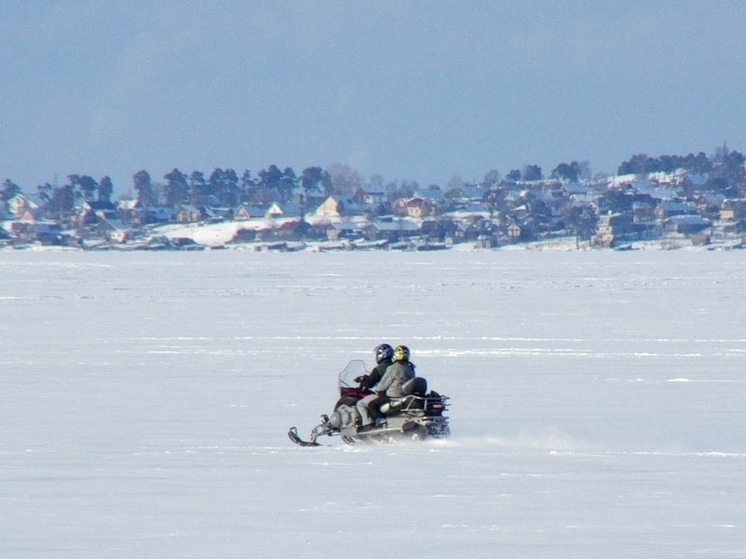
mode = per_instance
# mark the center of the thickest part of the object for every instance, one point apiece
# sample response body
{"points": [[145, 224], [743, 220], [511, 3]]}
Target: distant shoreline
{"points": [[562, 244]]}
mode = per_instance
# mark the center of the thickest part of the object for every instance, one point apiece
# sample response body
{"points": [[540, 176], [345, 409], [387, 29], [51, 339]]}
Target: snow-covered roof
{"points": [[699, 179], [398, 225], [432, 194], [474, 192], [690, 219], [575, 188], [128, 204], [675, 206], [253, 211], [118, 225], [346, 225], [286, 208], [35, 200]]}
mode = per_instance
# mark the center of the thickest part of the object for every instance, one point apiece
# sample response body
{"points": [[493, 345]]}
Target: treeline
{"points": [[226, 187], [724, 162], [222, 186]]}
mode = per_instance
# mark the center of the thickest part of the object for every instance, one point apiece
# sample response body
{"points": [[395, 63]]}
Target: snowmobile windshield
{"points": [[354, 369]]}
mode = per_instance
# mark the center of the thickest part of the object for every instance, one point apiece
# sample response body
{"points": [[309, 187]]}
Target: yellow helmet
{"points": [[401, 353]]}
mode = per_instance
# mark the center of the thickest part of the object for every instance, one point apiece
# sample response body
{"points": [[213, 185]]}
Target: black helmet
{"points": [[383, 351]]}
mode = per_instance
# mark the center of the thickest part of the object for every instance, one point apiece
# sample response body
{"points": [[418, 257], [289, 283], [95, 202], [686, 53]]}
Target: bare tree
{"points": [[345, 179]]}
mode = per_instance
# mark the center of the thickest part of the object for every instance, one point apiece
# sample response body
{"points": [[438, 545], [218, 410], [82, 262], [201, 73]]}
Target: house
{"points": [[335, 206], [467, 215], [339, 229], [574, 190], [419, 207], [4, 235], [307, 197], [287, 209], [244, 212], [693, 183], [474, 192], [669, 209], [188, 214], [686, 224], [102, 208], [393, 229], [733, 210], [26, 206], [612, 227], [89, 212], [216, 214], [441, 229], [433, 193], [5, 215], [371, 200], [708, 202], [643, 212], [49, 233], [292, 229], [130, 212], [22, 231], [159, 215], [274, 210], [483, 232], [514, 232], [115, 230], [400, 207], [46, 233]]}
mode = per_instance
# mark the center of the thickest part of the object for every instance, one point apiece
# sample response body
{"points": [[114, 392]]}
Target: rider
{"points": [[390, 386], [369, 414], [384, 354], [397, 374]]}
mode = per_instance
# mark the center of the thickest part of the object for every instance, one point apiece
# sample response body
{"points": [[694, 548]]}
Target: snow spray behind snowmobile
{"points": [[417, 415]]}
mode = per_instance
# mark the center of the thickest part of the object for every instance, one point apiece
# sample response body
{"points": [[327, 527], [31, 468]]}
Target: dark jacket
{"points": [[375, 376]]}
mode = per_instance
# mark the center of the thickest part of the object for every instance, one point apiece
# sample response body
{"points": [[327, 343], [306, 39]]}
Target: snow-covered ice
{"points": [[598, 404]]}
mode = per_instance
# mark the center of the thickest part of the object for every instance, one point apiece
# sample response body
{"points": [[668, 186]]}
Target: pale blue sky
{"points": [[410, 90]]}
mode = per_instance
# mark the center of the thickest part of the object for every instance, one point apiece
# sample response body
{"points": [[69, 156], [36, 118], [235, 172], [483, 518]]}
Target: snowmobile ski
{"points": [[295, 437]]}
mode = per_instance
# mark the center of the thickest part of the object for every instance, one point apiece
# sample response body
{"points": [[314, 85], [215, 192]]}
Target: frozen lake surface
{"points": [[598, 404]]}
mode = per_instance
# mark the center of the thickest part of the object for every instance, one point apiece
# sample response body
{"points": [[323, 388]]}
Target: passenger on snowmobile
{"points": [[369, 406], [397, 374], [390, 386]]}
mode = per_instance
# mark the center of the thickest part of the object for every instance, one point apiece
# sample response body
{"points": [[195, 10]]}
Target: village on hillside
{"points": [[673, 208]]}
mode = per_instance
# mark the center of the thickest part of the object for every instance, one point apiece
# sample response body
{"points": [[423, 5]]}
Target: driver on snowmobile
{"points": [[384, 354], [369, 406], [390, 386]]}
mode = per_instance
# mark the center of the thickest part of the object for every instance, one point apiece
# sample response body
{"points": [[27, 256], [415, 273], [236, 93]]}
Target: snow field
{"points": [[597, 404]]}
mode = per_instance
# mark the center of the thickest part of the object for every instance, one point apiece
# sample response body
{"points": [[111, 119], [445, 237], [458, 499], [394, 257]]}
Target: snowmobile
{"points": [[417, 415]]}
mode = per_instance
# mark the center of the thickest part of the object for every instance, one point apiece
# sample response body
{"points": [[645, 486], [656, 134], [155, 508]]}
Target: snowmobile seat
{"points": [[414, 390], [416, 386]]}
